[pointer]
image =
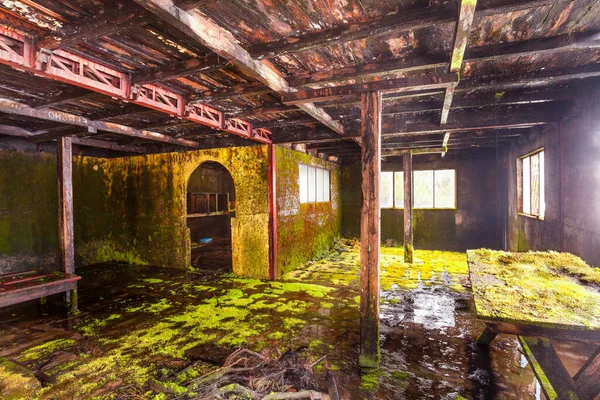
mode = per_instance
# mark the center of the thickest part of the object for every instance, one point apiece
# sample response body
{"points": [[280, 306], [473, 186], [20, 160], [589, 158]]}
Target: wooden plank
{"points": [[549, 369], [369, 229], [179, 69], [587, 378], [408, 208], [463, 27], [272, 181], [66, 245], [65, 205], [225, 45], [369, 70], [400, 85], [15, 108], [35, 292], [445, 143], [403, 20], [472, 55], [486, 337], [193, 4], [104, 144], [110, 22], [447, 104]]}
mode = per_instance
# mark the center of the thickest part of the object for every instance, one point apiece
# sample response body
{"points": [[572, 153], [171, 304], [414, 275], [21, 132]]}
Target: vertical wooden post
{"points": [[66, 250], [408, 208], [369, 229], [272, 182]]}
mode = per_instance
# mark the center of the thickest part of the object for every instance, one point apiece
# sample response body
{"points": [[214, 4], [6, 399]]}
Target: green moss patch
{"points": [[537, 288]]}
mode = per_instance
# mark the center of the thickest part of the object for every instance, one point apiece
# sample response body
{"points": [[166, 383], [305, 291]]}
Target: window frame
{"points": [[326, 183], [542, 185], [395, 207]]}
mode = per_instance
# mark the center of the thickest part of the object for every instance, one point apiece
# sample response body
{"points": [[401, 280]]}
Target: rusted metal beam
{"points": [[369, 229], [400, 85], [13, 107], [193, 4], [225, 45]]}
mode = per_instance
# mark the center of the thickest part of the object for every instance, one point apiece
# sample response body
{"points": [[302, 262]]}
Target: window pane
{"points": [[423, 188], [320, 173], [542, 186], [399, 192], [535, 184], [386, 189], [445, 188], [326, 186], [303, 184], [526, 186], [312, 193]]}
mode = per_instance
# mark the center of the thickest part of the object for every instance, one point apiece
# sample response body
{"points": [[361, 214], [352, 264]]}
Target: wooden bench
{"points": [[535, 317], [31, 285]]}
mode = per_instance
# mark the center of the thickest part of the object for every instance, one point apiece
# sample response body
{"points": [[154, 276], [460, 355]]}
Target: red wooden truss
{"points": [[20, 52]]}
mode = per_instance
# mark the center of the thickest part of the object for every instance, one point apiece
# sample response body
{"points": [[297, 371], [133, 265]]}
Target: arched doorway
{"points": [[210, 207]]}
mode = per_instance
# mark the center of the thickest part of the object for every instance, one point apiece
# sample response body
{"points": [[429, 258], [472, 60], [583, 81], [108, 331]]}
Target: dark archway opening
{"points": [[210, 207]]}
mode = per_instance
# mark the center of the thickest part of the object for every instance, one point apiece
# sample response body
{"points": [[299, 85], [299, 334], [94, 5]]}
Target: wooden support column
{"points": [[408, 209], [369, 229], [272, 182], [66, 251]]}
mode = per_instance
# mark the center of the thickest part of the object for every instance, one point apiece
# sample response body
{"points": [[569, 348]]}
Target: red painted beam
{"points": [[20, 53]]}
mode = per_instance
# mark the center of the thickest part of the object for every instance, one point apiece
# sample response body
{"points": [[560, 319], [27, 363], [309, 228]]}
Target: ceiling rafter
{"points": [[22, 53], [224, 44]]}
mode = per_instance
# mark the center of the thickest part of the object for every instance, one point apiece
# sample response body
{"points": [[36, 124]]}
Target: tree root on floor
{"points": [[249, 375]]}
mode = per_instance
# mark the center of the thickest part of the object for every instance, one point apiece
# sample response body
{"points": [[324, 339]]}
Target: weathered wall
{"points": [[28, 211], [304, 230], [127, 209], [527, 233], [572, 180], [144, 209], [472, 224]]}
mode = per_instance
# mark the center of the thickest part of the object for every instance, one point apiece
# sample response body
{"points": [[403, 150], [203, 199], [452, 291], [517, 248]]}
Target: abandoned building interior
{"points": [[302, 199]]}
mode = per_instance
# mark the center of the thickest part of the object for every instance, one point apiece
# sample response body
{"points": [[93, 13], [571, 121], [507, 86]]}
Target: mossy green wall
{"points": [[28, 211], [136, 210], [127, 209], [304, 230]]}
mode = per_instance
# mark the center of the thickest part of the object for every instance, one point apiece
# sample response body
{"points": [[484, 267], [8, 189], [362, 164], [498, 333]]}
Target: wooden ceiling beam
{"points": [[243, 89], [179, 69], [466, 14], [400, 85], [193, 4], [103, 144], [223, 43], [71, 93], [472, 55], [403, 20], [110, 22], [15, 108]]}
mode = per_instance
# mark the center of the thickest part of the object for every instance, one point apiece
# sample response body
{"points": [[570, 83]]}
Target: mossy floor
{"points": [[144, 332]]}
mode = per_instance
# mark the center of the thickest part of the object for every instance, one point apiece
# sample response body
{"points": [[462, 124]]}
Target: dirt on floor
{"points": [[150, 333]]}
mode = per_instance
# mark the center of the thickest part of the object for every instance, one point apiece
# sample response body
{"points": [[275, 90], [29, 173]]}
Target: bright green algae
{"points": [[535, 288], [161, 322]]}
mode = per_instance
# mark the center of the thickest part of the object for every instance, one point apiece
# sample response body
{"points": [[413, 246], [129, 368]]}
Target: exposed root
{"points": [[246, 374]]}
